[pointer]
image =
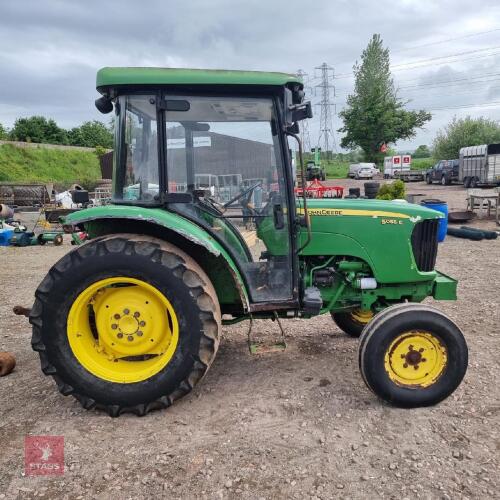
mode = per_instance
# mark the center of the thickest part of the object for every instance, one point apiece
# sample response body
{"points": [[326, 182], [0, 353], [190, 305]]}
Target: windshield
{"points": [[136, 163]]}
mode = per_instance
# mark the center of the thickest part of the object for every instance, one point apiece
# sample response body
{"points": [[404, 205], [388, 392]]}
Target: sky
{"points": [[444, 54]]}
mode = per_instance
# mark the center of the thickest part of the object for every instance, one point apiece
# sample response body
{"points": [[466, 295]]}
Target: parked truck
{"points": [[394, 165], [444, 172], [480, 165]]}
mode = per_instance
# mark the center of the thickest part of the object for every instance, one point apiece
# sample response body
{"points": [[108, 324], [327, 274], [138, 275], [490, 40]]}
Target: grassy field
{"points": [[422, 163], [336, 169], [62, 167]]}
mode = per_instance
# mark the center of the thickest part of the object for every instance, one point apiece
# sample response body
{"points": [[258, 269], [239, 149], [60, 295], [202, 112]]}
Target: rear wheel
{"points": [[126, 323], [352, 322], [412, 355], [467, 182], [473, 182]]}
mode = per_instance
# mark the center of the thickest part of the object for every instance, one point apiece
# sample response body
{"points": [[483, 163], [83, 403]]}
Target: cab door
{"points": [[237, 141]]}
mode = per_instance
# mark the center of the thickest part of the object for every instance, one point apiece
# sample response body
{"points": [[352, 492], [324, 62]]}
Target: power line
{"points": [[470, 79], [326, 138], [431, 63], [403, 49], [466, 52], [481, 79], [494, 104], [445, 41]]}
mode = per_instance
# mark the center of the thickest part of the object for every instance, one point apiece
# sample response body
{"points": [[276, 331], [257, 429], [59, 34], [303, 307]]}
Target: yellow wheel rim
{"points": [[362, 317], [122, 330], [415, 359]]}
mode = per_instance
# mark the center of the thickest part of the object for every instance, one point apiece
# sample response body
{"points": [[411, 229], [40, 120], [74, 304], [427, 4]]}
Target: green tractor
{"points": [[314, 170], [131, 320]]}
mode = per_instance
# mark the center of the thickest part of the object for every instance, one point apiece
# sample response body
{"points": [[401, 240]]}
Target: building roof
{"points": [[111, 77]]}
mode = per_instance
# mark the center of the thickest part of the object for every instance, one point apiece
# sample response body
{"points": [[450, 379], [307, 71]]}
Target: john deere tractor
{"points": [[314, 170], [131, 320]]}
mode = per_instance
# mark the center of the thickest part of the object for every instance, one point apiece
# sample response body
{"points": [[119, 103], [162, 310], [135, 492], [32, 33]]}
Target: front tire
{"points": [[428, 179], [412, 355], [126, 323], [352, 322]]}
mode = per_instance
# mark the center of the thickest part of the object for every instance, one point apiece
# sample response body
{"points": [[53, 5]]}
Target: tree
{"points": [[374, 114], [91, 135], [422, 152], [3, 132], [38, 129], [464, 132]]}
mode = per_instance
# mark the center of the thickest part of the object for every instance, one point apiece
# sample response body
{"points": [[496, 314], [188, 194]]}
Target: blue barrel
{"points": [[440, 206], [5, 236]]}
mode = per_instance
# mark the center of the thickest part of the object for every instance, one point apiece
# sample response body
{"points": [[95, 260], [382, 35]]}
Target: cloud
{"points": [[51, 50]]}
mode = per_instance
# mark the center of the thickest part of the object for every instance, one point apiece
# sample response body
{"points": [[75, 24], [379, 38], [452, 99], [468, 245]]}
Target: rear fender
{"points": [[193, 239]]}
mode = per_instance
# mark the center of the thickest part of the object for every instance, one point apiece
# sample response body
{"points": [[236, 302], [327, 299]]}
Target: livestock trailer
{"points": [[480, 165]]}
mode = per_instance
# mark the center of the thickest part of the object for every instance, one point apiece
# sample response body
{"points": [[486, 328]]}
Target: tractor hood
{"points": [[367, 208], [376, 231]]}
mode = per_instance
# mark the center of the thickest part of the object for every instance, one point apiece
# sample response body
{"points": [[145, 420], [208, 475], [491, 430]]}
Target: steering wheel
{"points": [[242, 194]]}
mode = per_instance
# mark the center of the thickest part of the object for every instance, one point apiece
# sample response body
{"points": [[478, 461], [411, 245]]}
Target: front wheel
{"points": [[352, 322], [126, 323], [428, 179], [412, 355]]}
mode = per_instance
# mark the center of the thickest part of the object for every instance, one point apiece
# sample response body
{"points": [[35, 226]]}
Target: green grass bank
{"points": [[63, 167]]}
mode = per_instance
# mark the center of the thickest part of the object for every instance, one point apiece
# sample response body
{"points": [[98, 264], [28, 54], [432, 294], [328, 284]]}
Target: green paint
{"points": [[378, 232], [185, 228], [275, 240], [445, 288], [112, 77]]}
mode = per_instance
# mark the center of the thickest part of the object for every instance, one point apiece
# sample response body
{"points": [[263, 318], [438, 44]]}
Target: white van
{"points": [[354, 167]]}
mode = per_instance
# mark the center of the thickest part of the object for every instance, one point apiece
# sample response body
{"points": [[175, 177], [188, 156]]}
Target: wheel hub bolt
{"points": [[114, 326], [137, 314], [120, 335], [126, 311], [139, 333], [142, 323], [130, 338], [117, 316]]}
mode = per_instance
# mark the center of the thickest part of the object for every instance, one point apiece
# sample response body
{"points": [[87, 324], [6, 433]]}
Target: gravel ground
{"points": [[293, 424]]}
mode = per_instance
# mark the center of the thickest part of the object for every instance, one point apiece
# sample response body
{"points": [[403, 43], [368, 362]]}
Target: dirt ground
{"points": [[293, 424]]}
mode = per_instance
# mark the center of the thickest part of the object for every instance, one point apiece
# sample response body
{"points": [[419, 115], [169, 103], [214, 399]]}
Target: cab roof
{"points": [[112, 77]]}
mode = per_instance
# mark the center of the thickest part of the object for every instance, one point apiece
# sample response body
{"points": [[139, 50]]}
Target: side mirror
{"points": [[104, 105], [302, 111], [295, 112]]}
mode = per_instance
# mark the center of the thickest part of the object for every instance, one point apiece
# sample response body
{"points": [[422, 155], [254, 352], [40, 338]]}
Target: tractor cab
{"points": [[218, 157]]}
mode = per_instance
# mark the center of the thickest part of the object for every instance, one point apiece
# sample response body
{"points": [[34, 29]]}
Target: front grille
{"points": [[424, 242]]}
